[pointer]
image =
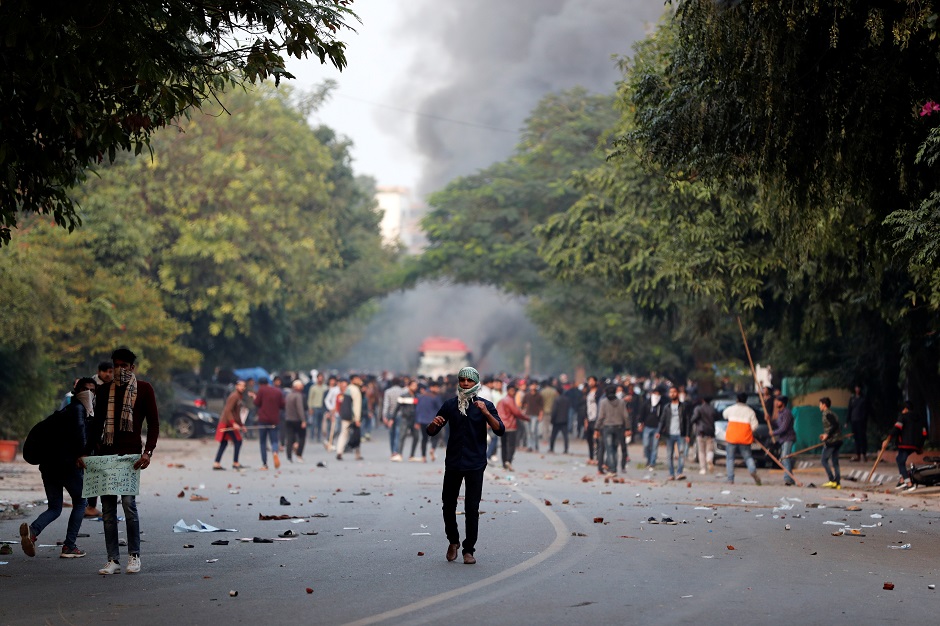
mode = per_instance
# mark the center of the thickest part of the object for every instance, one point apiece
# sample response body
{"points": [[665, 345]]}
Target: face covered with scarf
{"points": [[468, 385]]}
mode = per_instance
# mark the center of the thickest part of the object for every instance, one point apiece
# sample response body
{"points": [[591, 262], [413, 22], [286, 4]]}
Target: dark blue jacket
{"points": [[466, 446]]}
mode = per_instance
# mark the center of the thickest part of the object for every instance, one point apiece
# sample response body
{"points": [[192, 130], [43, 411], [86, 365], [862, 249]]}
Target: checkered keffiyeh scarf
{"points": [[127, 410]]}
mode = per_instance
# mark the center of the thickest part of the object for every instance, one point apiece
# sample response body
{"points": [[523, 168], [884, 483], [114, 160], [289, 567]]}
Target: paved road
{"points": [[538, 562]]}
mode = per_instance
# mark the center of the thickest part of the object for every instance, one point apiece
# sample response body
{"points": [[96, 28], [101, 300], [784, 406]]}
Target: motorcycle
{"points": [[927, 473]]}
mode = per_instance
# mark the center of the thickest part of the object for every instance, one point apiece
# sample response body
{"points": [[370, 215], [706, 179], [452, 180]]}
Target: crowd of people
{"points": [[105, 415]]}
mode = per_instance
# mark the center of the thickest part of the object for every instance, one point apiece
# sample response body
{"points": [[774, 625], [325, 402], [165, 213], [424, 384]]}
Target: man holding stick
{"points": [[786, 435], [230, 426]]}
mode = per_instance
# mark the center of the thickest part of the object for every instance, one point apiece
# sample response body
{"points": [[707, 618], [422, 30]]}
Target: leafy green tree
{"points": [[86, 80], [480, 228], [62, 314], [251, 225]]}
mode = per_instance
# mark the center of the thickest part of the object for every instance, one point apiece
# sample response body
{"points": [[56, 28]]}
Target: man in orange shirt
{"points": [[740, 435]]}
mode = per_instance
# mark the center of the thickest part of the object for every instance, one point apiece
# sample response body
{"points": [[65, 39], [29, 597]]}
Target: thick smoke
{"points": [[485, 66], [495, 59]]}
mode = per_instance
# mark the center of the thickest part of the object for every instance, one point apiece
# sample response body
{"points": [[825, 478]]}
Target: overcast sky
{"points": [[439, 88]]}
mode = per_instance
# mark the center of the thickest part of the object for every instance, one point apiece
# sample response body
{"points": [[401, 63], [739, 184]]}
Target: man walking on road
{"points": [[469, 416], [121, 408], [832, 440], [269, 401], [742, 420], [703, 421]]}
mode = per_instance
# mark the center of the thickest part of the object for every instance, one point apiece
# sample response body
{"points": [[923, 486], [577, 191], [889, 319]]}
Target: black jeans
{"points": [[558, 428], [509, 446], [473, 490], [860, 433]]}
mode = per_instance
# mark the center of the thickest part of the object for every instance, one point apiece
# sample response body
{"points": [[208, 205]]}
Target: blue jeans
{"points": [[903, 454], [786, 447], [491, 448], [673, 442], [650, 446], [266, 435], [315, 425], [830, 462], [54, 480], [612, 436], [745, 451], [393, 436], [109, 517], [533, 428]]}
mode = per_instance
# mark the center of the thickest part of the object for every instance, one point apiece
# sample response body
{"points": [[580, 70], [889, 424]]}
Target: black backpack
{"points": [[51, 440], [346, 408]]}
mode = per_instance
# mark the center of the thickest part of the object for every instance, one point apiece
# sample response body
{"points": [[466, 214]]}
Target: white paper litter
{"points": [[199, 527], [906, 546], [876, 516], [831, 523]]}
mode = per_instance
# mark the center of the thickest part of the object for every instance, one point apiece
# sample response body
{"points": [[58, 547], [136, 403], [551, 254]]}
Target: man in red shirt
{"points": [[270, 401]]}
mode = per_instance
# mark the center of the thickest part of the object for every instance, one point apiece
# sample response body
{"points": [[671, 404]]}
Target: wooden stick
{"points": [[777, 461], [757, 382], [228, 430], [822, 443], [884, 447]]}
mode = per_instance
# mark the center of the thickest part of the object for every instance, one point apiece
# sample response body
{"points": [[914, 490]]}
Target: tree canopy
{"points": [[245, 240], [84, 81]]}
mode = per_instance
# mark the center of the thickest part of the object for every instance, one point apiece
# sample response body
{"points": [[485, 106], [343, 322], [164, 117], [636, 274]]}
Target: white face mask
{"points": [[86, 397]]}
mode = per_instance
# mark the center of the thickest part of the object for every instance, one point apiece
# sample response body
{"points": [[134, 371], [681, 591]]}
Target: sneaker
{"points": [[829, 484], [71, 553], [911, 488], [133, 564], [299, 459], [27, 540], [112, 567], [397, 459], [703, 471]]}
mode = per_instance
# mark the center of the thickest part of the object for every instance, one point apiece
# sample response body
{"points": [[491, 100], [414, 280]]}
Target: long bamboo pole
{"points": [[757, 382], [884, 447], [777, 461]]}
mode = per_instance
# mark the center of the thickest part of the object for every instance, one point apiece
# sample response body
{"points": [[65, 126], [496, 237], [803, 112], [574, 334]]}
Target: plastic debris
{"points": [[787, 527], [212, 560], [931, 587], [906, 546], [876, 516]]}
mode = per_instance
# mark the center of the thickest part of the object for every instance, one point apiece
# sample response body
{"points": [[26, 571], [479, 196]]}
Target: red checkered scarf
{"points": [[127, 410]]}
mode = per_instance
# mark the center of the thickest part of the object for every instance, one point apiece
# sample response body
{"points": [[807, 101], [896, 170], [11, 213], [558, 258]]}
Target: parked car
{"points": [[191, 418], [762, 433]]}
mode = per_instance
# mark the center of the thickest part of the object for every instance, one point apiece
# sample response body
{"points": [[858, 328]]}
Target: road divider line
{"points": [[562, 536]]}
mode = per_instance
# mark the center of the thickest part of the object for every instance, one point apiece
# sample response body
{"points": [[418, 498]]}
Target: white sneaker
{"points": [[703, 471], [133, 565], [113, 567], [396, 458], [299, 459]]}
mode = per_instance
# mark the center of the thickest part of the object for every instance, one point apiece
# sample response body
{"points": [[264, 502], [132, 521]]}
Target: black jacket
{"points": [[665, 418]]}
